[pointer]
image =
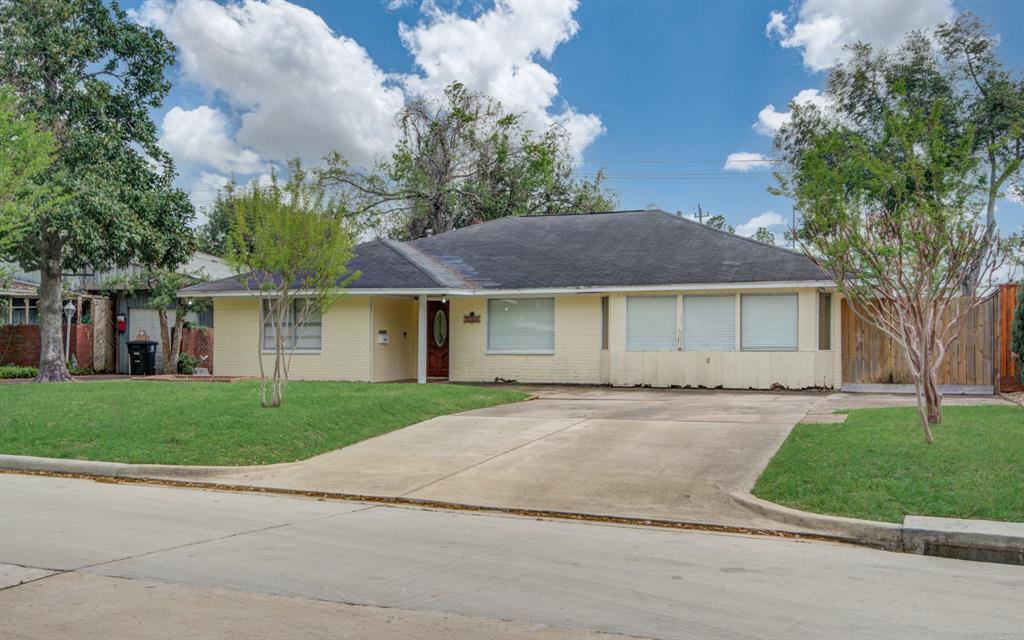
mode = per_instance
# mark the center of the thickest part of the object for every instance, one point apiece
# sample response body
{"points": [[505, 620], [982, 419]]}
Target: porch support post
{"points": [[421, 342]]}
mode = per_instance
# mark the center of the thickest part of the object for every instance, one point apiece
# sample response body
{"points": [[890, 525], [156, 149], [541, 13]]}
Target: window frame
{"points": [[489, 350], [731, 298], [825, 321], [604, 322], [294, 350], [676, 318]]}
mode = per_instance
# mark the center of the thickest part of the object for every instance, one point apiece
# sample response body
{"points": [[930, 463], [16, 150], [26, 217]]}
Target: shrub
{"points": [[187, 364], [9, 371]]}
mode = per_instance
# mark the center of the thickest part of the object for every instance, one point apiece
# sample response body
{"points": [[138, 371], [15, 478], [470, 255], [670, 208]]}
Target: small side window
{"points": [[824, 321], [604, 323]]}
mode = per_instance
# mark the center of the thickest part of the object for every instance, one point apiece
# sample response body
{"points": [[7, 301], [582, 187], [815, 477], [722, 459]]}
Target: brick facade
{"points": [[198, 343], [19, 344]]}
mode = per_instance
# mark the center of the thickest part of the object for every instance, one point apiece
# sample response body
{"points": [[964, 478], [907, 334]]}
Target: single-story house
{"points": [[621, 298]]}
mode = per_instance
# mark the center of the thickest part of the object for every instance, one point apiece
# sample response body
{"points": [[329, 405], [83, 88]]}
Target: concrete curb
{"points": [[876, 534], [119, 469], [985, 541], [978, 540]]}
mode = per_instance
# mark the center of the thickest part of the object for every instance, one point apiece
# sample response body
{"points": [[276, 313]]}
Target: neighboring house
{"points": [[623, 298], [140, 318], [97, 315]]}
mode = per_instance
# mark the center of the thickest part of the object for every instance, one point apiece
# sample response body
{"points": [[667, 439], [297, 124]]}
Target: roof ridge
{"points": [[439, 273]]}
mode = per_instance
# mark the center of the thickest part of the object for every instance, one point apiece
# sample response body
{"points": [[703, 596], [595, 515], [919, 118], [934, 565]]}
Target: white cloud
{"points": [[823, 27], [295, 87], [746, 161], [498, 53], [767, 219], [770, 120], [299, 88], [200, 136]]}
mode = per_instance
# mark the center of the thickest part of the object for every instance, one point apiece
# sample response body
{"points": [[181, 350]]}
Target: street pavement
{"points": [[107, 560]]}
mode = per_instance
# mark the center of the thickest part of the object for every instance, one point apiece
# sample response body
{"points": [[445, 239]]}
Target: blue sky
{"points": [[658, 93]]}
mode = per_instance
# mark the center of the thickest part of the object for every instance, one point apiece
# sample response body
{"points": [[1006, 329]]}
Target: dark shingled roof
{"points": [[627, 248], [610, 249]]}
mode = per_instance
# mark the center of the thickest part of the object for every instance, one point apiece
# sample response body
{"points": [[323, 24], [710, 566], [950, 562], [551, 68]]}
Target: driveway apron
{"points": [[639, 453]]}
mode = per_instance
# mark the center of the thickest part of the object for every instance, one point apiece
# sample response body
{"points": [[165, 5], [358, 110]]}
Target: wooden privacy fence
{"points": [[871, 357], [1009, 367]]}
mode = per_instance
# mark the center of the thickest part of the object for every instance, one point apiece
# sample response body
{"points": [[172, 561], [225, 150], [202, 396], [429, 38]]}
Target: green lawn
{"points": [[216, 423], [877, 466]]}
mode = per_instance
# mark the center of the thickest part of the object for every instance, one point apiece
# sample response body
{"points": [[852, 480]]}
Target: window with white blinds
{"points": [[709, 323], [769, 322], [651, 323], [521, 325], [304, 337]]}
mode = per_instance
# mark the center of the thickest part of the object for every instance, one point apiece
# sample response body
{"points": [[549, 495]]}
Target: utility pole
{"points": [[700, 214]]}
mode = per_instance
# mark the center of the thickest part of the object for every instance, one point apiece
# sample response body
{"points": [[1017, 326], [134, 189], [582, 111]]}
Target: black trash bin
{"points": [[142, 357]]}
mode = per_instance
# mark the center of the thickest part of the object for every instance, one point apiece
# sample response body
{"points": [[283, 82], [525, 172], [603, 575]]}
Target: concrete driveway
{"points": [[663, 454]]}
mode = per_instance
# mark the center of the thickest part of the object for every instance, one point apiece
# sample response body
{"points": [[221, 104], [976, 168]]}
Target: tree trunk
{"points": [[179, 324], [52, 360], [165, 339]]}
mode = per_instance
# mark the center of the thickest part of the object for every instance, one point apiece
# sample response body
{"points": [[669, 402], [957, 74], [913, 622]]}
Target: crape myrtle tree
{"points": [[465, 159], [290, 245], [886, 182], [89, 76]]}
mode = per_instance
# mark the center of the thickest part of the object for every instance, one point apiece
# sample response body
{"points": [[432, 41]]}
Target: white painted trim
{"points": [[421, 342], [519, 353], [554, 291]]}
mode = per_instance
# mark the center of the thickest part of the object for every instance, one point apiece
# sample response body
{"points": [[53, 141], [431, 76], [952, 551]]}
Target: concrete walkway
{"points": [[672, 454]]}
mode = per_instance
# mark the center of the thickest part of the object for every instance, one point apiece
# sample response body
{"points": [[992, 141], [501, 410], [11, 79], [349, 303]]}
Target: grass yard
{"points": [[216, 423], [877, 466]]}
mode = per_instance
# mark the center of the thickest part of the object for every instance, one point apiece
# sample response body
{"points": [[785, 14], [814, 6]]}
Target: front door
{"points": [[437, 339]]}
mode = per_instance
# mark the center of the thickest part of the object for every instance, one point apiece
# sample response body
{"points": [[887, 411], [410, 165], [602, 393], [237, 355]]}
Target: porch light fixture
{"points": [[444, 299], [69, 312]]}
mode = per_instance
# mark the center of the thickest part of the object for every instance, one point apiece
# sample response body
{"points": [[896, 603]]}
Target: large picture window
{"points": [[769, 322], [306, 337], [651, 323], [521, 325], [709, 323]]}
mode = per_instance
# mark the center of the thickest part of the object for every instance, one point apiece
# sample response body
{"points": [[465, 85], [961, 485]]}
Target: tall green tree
{"points": [[992, 101], [90, 75], [466, 159], [886, 182], [290, 245], [1017, 335], [764, 235], [26, 152], [718, 222], [212, 236]]}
